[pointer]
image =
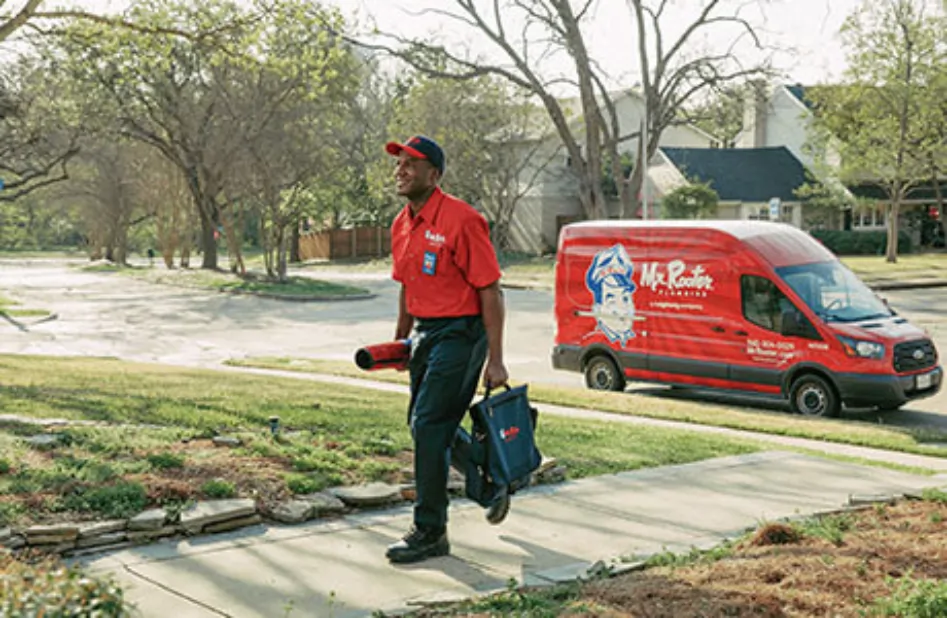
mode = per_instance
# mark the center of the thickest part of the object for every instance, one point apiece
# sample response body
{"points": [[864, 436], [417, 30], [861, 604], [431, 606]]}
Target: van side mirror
{"points": [[794, 324]]}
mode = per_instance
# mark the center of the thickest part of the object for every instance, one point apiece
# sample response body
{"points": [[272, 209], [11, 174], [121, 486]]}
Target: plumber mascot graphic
{"points": [[610, 278]]}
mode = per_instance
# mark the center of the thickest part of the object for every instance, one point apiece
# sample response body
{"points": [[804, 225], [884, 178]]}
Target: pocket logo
{"points": [[430, 263]]}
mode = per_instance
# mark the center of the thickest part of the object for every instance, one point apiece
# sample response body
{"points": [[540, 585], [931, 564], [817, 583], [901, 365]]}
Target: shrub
{"points": [[218, 489], [306, 484], [165, 461], [914, 598], [860, 243], [117, 501], [50, 589], [5, 466]]}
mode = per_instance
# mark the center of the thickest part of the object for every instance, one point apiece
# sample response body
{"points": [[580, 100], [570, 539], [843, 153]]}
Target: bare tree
{"points": [[673, 74]]}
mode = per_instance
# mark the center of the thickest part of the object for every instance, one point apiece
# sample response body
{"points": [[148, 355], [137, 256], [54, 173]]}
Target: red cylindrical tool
{"points": [[389, 355]]}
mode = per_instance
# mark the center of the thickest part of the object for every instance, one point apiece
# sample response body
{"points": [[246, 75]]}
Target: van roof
{"points": [[781, 244], [739, 229]]}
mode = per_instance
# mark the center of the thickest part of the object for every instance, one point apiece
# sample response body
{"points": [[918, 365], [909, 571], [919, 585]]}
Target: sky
{"points": [[806, 31]]}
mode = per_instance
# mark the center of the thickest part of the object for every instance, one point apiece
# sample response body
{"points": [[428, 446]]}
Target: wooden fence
{"points": [[360, 242]]}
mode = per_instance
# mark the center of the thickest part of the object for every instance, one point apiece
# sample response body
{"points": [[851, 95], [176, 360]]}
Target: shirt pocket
{"points": [[434, 260]]}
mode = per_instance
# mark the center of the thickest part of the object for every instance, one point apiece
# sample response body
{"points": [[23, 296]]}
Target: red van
{"points": [[748, 306]]}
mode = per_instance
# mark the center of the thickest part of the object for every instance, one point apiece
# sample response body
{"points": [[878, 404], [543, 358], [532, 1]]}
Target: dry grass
{"points": [[883, 561]]}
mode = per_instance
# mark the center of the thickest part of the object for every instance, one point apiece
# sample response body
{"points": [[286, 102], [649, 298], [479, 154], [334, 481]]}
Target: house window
{"points": [[761, 214], [869, 217], [786, 214]]}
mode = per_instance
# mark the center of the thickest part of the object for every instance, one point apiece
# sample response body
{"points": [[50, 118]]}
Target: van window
{"points": [[763, 303]]}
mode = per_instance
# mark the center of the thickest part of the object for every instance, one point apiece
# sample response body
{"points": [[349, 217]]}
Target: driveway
{"points": [[104, 314]]}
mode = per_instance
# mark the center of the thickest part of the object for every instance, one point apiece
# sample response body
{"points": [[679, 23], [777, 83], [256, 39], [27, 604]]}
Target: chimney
{"points": [[754, 115]]}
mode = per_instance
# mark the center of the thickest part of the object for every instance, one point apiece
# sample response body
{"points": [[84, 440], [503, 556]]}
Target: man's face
{"points": [[414, 177]]}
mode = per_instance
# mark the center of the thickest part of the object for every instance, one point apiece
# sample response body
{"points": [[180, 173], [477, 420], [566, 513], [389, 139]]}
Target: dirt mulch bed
{"points": [[774, 575]]}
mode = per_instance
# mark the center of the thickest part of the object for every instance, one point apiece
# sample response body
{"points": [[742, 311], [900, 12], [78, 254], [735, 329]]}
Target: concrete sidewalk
{"points": [[337, 569]]}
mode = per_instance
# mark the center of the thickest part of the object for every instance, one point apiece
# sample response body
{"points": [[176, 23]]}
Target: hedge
{"points": [[861, 243]]}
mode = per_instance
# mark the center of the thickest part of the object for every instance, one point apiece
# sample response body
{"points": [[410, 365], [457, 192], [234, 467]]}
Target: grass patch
{"points": [[858, 433], [252, 283], [889, 563], [920, 266], [7, 307], [155, 445]]}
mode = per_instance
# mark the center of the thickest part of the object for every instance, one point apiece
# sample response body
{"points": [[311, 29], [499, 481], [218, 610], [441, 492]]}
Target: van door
{"points": [[689, 320], [767, 353]]}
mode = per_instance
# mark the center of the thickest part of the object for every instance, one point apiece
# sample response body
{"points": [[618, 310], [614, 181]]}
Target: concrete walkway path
{"points": [[337, 568]]}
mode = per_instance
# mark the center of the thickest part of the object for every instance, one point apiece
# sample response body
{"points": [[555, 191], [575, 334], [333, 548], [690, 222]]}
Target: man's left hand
{"points": [[495, 375]]}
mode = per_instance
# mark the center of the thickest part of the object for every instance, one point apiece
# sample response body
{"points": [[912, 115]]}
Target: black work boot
{"points": [[500, 507], [419, 544]]}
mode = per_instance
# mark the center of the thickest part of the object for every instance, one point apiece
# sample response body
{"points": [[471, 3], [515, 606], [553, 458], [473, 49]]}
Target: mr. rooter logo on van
{"points": [[611, 280]]}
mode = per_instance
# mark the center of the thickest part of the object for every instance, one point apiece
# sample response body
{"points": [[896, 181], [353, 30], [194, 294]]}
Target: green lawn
{"points": [[831, 430], [7, 308], [153, 444], [252, 283]]}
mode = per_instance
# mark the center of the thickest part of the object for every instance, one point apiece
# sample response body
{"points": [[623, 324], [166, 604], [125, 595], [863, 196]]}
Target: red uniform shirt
{"points": [[442, 256]]}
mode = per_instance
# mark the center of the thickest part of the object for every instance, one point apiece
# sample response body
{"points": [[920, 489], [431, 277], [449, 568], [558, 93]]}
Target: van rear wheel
{"points": [[812, 395], [602, 374]]}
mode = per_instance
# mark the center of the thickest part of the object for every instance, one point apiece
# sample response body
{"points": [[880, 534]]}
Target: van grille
{"points": [[914, 355]]}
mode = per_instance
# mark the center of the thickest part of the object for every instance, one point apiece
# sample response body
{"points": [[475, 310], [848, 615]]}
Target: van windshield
{"points": [[833, 292]]}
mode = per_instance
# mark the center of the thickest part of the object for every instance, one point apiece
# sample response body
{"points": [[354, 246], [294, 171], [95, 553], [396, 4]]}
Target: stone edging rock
{"points": [[216, 516]]}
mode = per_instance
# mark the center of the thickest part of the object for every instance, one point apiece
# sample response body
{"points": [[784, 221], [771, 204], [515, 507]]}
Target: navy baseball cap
{"points": [[420, 147]]}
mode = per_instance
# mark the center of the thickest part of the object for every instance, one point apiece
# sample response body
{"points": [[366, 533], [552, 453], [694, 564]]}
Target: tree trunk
{"points": [[208, 239], [294, 256], [894, 215], [634, 190], [939, 199]]}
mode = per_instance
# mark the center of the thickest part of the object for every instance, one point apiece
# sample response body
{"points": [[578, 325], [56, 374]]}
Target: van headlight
{"points": [[863, 349]]}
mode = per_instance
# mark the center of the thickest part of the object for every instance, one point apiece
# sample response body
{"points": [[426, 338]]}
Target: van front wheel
{"points": [[602, 374], [811, 395]]}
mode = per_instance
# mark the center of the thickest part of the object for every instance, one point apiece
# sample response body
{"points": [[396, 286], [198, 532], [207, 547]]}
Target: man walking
{"points": [[451, 298]]}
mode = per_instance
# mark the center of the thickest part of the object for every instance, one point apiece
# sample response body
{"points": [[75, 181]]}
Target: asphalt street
{"points": [[103, 314]]}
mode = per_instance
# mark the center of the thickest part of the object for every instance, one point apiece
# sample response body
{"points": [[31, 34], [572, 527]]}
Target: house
{"points": [[551, 197], [748, 181], [781, 115]]}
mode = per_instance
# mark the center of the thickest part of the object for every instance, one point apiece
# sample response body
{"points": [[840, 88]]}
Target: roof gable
{"points": [[742, 174]]}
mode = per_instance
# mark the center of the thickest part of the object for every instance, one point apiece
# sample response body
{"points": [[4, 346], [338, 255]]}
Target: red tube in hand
{"points": [[389, 355]]}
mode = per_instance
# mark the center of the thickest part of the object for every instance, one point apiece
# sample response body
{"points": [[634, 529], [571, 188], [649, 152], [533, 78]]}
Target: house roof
{"points": [[799, 91], [925, 191], [742, 174]]}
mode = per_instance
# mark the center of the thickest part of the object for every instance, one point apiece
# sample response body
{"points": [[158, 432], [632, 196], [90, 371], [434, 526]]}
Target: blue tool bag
{"points": [[500, 448]]}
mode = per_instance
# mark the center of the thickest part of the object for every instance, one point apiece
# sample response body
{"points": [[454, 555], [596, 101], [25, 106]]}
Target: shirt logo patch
{"points": [[430, 263], [434, 238]]}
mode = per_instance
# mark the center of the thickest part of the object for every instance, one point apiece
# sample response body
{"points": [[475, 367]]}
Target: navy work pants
{"points": [[447, 358]]}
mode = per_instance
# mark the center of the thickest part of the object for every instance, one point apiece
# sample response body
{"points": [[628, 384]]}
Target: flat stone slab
{"points": [[110, 538], [324, 502], [5, 535], [44, 441], [203, 514], [233, 524], [372, 494], [142, 536], [152, 519], [293, 511], [57, 532], [227, 441], [100, 528]]}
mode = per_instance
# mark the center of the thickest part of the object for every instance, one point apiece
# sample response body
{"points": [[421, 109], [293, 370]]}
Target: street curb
{"points": [[907, 285], [295, 299]]}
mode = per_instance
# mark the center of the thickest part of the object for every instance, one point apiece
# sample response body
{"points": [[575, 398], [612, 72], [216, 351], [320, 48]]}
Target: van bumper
{"points": [[859, 390], [567, 357]]}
